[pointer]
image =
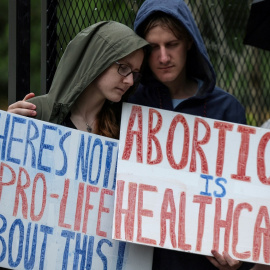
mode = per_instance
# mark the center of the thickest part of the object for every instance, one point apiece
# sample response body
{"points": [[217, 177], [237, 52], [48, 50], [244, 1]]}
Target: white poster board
{"points": [[193, 184], [56, 199]]}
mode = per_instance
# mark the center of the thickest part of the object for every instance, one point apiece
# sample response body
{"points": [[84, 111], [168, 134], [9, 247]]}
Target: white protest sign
{"points": [[56, 199], [193, 184]]}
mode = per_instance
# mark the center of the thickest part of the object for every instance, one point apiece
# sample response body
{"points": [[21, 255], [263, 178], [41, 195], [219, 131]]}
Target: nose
{"points": [[129, 79], [163, 55]]}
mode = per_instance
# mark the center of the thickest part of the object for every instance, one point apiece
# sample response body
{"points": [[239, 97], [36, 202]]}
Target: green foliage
{"points": [[35, 47], [3, 53], [251, 120], [74, 16], [241, 70], [34, 53]]}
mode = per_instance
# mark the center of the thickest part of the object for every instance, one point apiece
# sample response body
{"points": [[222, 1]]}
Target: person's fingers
{"points": [[23, 112], [28, 96], [22, 108], [230, 260], [220, 259], [213, 261], [224, 261], [22, 105]]}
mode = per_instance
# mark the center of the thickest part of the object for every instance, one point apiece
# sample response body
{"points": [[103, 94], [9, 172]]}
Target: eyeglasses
{"points": [[125, 70]]}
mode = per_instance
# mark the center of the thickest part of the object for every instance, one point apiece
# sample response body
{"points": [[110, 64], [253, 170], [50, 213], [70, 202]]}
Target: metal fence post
{"points": [[19, 49], [48, 43]]}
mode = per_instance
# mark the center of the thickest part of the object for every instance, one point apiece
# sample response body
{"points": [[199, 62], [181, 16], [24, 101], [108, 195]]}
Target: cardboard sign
{"points": [[193, 184], [56, 199]]}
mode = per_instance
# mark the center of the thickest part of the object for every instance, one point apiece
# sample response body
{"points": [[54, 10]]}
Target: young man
{"points": [[180, 77]]}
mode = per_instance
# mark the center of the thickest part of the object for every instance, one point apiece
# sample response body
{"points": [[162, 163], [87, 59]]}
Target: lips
{"points": [[121, 89], [165, 68]]}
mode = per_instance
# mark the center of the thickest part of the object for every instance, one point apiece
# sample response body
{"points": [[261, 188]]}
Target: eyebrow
{"points": [[125, 62], [173, 40]]}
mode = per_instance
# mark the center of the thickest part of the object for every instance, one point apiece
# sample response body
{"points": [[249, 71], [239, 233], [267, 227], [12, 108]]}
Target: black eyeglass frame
{"points": [[136, 75]]}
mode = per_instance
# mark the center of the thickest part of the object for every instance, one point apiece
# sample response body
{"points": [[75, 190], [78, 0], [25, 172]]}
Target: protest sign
{"points": [[56, 199], [193, 184]]}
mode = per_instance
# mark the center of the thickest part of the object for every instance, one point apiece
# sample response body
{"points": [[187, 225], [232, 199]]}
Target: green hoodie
{"points": [[91, 52]]}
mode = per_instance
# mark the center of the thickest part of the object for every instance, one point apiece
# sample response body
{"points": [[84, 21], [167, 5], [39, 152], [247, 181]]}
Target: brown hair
{"points": [[108, 123], [164, 20], [109, 118]]}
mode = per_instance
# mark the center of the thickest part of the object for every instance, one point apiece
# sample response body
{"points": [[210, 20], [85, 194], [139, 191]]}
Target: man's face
{"points": [[168, 57]]}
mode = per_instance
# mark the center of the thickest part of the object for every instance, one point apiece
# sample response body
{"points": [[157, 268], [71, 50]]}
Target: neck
{"points": [[182, 89], [85, 110]]}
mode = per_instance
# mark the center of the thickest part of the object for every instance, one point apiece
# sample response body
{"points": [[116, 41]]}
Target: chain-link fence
{"points": [[241, 70]]}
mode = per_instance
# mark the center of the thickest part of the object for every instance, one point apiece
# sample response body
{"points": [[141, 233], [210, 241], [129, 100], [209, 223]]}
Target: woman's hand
{"points": [[224, 262], [23, 107]]}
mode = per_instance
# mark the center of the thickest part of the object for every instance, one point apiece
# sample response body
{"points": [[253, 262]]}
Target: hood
{"points": [[90, 53], [198, 62]]}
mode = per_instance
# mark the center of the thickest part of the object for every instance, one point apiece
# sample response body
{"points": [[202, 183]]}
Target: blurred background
{"points": [[242, 70], [3, 53], [35, 35]]}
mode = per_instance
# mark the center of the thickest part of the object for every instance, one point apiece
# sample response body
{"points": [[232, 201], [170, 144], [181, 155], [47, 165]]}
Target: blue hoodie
{"points": [[209, 101]]}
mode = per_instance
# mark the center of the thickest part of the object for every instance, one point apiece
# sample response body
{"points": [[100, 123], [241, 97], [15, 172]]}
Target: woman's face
{"points": [[111, 85]]}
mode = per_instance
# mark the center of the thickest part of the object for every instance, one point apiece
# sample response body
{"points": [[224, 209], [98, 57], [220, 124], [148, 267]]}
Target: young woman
{"points": [[95, 74]]}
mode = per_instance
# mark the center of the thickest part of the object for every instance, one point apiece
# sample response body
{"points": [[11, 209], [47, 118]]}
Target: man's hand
{"points": [[23, 107], [224, 262]]}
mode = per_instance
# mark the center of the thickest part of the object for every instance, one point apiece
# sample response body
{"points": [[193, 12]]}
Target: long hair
{"points": [[109, 117], [108, 120]]}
